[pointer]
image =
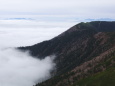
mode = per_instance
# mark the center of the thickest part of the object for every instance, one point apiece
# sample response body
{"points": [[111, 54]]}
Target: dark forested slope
{"points": [[81, 43]]}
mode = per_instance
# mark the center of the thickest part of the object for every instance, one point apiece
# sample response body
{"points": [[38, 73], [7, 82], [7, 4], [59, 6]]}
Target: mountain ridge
{"points": [[81, 43]]}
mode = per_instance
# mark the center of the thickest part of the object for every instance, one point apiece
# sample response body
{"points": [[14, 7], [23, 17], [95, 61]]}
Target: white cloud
{"points": [[19, 68], [28, 32]]}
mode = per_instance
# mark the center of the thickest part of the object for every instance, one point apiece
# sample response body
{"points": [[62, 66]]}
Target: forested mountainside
{"points": [[84, 53]]}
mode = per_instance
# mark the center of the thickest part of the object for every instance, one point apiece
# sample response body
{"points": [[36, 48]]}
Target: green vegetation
{"points": [[106, 78]]}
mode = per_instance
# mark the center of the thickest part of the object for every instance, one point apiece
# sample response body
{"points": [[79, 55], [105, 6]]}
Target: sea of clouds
{"points": [[19, 68]]}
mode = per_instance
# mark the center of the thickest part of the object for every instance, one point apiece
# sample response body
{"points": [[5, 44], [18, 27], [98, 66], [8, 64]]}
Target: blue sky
{"points": [[58, 8]]}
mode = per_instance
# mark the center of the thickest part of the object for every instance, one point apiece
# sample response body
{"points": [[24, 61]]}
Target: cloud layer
{"points": [[16, 33], [19, 68]]}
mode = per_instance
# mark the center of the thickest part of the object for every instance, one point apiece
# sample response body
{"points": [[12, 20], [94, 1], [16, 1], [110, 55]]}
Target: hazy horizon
{"points": [[27, 22]]}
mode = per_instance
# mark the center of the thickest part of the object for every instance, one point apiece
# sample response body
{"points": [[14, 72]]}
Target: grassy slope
{"points": [[105, 78]]}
